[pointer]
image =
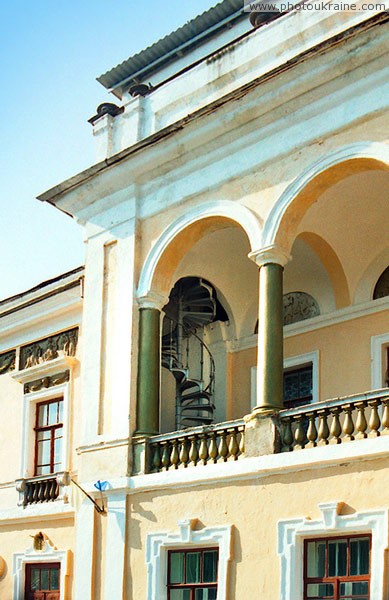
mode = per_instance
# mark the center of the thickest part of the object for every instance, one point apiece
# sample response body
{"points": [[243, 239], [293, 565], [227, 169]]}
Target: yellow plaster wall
{"points": [[344, 353], [253, 508], [15, 537]]}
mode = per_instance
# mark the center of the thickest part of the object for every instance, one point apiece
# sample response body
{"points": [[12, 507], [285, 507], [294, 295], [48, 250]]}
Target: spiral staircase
{"points": [[192, 305]]}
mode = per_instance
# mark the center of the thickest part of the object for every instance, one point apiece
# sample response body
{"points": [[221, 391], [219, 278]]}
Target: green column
{"points": [[270, 338], [149, 364]]}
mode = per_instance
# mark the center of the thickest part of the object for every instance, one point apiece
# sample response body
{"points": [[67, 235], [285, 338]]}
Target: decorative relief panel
{"points": [[64, 343], [46, 382], [7, 361], [299, 306]]}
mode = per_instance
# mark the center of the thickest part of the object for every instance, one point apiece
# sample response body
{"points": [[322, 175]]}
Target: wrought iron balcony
{"points": [[44, 488]]}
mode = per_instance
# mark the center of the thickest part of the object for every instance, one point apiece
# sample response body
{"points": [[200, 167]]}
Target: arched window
{"points": [[382, 286], [299, 306]]}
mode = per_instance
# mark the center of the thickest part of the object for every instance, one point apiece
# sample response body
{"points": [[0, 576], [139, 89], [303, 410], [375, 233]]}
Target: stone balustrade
{"points": [[196, 446], [334, 421], [44, 488]]}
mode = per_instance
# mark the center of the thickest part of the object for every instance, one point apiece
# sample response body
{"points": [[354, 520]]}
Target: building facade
{"points": [[201, 412]]}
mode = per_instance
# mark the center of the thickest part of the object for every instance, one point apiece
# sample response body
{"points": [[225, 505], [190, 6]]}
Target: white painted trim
{"points": [[116, 537], [293, 532], [246, 469], [28, 435], [305, 359], [57, 365], [221, 208], [378, 343], [339, 316], [36, 512], [370, 150], [102, 445], [294, 361], [84, 555], [157, 545], [48, 554]]}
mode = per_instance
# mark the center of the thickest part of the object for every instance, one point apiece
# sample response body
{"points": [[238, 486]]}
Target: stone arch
{"points": [[368, 280], [184, 232], [332, 265], [282, 223]]}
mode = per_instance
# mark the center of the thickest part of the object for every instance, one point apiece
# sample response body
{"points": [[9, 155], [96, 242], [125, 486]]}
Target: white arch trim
{"points": [[222, 208], [368, 150]]}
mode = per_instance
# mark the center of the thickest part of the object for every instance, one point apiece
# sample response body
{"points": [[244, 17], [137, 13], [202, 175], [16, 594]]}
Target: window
{"points": [[298, 386], [42, 581], [48, 437], [192, 574], [337, 568], [380, 361]]}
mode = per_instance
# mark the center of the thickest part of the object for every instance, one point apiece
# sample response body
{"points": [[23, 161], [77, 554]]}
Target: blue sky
{"points": [[51, 51]]}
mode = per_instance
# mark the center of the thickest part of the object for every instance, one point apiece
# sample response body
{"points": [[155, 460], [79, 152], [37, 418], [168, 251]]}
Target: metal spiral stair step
{"points": [[188, 421]]}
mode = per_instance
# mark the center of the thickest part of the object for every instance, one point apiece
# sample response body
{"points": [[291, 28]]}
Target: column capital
{"points": [[152, 300], [270, 255]]}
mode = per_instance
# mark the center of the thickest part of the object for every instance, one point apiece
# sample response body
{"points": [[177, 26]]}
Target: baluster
{"points": [[242, 441], [223, 448], [28, 495], [312, 431], [55, 489], [157, 464], [184, 454], [374, 421], [385, 417], [287, 437], [174, 457], [165, 455], [203, 450], [213, 453], [335, 430], [324, 432], [348, 425], [51, 484], [299, 435], [233, 447], [361, 424], [193, 452], [42, 485]]}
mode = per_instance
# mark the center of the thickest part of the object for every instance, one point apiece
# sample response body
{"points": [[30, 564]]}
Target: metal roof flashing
{"points": [[173, 46]]}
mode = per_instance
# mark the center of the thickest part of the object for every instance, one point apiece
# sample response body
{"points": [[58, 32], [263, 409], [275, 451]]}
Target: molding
{"points": [[228, 209], [333, 318], [48, 554], [377, 344], [270, 255], [102, 445], [47, 511], [361, 150], [152, 300], [292, 532], [157, 545], [52, 367], [255, 468]]}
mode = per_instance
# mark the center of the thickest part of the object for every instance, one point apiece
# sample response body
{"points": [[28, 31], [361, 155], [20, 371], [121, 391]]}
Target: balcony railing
{"points": [[335, 421], [196, 446], [44, 488]]}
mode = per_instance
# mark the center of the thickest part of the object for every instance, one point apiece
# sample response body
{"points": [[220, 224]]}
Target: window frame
{"points": [[293, 532], [28, 441], [48, 428], [379, 350], [190, 586], [158, 545], [40, 565], [336, 580]]}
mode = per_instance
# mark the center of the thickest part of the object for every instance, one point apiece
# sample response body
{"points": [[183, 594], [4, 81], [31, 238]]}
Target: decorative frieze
{"points": [[64, 344], [299, 306], [46, 382], [7, 362]]}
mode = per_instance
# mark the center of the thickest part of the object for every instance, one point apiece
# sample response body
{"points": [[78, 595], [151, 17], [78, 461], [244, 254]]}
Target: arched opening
{"points": [[381, 288]]}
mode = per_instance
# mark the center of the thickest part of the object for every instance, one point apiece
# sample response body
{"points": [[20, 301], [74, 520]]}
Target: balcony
{"points": [[329, 422], [44, 488]]}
